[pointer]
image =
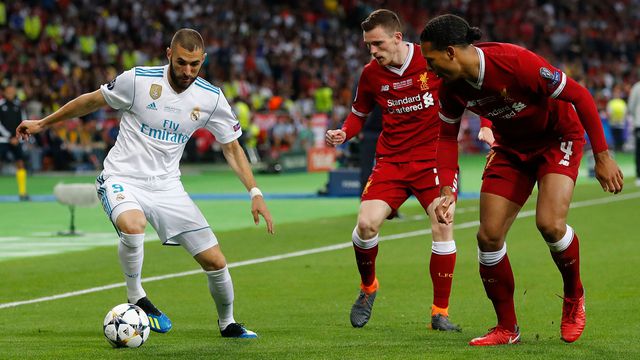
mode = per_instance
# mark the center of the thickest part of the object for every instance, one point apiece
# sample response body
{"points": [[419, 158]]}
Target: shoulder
{"points": [[371, 72], [504, 54], [203, 85], [148, 71], [496, 48]]}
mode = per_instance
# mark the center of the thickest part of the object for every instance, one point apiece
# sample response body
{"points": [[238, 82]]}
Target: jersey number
{"points": [[565, 147], [117, 188]]}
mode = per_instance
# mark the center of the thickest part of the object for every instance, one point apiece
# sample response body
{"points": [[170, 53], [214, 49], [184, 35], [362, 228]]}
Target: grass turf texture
{"points": [[300, 306]]}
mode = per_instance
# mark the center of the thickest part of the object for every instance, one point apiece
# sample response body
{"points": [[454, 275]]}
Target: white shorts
{"points": [[166, 205]]}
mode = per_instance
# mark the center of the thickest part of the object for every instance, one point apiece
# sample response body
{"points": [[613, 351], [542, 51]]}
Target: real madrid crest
{"points": [[155, 91], [195, 114], [424, 78]]}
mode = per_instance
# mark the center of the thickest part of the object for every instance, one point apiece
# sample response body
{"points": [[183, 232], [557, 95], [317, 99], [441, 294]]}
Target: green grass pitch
{"points": [[299, 302]]}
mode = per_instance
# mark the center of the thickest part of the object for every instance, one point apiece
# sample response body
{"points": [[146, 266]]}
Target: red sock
{"points": [[366, 261], [499, 285], [441, 269], [568, 262]]}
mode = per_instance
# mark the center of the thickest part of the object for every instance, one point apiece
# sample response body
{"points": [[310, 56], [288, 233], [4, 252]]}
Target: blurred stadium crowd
{"points": [[281, 63]]}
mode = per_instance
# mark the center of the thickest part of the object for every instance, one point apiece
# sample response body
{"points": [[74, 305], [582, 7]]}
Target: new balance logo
{"points": [[152, 106]]}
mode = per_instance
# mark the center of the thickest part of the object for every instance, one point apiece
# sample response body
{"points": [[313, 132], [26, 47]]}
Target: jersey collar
{"points": [[405, 65], [478, 84]]}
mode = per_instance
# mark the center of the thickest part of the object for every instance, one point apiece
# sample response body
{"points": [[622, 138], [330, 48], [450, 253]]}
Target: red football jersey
{"points": [[516, 90], [408, 97]]}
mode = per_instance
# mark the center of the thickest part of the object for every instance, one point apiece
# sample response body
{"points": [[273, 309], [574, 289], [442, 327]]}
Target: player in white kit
{"points": [[161, 107]]}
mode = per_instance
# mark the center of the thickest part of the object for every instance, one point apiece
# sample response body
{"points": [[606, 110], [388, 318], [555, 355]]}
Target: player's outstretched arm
{"points": [[82, 105], [238, 161]]}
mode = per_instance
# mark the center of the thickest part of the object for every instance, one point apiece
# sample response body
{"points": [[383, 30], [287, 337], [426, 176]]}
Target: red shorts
{"points": [[393, 183], [513, 175]]}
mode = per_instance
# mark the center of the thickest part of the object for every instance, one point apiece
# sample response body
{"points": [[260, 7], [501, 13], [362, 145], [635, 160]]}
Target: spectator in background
{"points": [[617, 116], [71, 46], [634, 113], [11, 115]]}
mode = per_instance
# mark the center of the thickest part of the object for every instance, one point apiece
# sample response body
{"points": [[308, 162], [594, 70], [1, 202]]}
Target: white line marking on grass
{"points": [[466, 225]]}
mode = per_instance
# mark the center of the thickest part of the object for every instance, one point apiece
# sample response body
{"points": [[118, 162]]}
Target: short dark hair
{"points": [[188, 39], [449, 30], [382, 17]]}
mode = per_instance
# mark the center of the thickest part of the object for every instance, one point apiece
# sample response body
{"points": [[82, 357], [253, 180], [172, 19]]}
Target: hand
{"points": [[486, 135], [608, 173], [28, 128], [335, 137], [443, 205], [259, 207]]}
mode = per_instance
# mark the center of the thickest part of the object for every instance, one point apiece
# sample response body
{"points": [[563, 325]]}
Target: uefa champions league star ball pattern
{"points": [[126, 325]]}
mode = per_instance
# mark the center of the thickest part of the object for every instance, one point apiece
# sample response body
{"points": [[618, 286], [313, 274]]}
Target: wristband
{"points": [[255, 192]]}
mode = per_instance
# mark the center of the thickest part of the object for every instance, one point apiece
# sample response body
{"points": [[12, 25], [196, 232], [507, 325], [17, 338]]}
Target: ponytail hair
{"points": [[449, 30]]}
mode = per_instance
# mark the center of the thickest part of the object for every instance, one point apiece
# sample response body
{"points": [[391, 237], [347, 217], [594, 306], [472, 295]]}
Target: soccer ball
{"points": [[126, 325]]}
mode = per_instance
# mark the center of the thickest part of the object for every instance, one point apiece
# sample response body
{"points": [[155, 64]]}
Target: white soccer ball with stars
{"points": [[126, 325]]}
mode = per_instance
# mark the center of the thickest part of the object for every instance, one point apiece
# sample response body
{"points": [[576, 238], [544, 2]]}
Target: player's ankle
{"points": [[435, 310], [368, 289]]}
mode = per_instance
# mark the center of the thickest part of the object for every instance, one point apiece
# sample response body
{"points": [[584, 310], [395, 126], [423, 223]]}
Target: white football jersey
{"points": [[157, 122]]}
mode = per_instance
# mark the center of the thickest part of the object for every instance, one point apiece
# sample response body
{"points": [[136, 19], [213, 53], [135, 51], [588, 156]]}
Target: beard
{"points": [[180, 82]]}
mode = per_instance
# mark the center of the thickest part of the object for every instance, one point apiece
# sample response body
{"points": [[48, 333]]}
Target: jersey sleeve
{"points": [[364, 101], [119, 92], [447, 155], [539, 76], [451, 110], [223, 123]]}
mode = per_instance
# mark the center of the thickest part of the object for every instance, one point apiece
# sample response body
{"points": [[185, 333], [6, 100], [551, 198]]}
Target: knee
{"points": [[551, 230], [132, 224], [367, 228], [441, 232], [489, 240], [214, 263], [211, 259]]}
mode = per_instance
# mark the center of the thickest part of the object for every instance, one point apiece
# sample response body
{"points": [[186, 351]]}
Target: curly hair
{"points": [[449, 30]]}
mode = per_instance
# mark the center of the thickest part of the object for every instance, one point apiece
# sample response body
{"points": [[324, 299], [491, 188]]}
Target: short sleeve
{"points": [[120, 91], [539, 76], [223, 123]]}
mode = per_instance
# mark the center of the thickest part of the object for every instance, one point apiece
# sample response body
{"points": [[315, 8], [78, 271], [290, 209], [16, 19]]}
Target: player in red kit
{"points": [[539, 138], [398, 81]]}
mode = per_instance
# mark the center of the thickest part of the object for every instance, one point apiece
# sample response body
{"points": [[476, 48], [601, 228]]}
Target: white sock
{"points": [[221, 288], [131, 254], [443, 247], [562, 244], [361, 243], [492, 258]]}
